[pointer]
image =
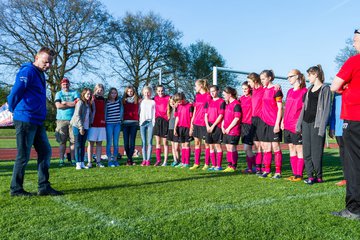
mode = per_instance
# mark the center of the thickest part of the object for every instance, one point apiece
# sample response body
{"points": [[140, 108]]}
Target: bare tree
{"points": [[75, 29], [345, 53], [142, 44]]}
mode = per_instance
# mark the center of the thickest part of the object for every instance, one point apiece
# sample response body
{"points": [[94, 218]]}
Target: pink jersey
{"points": [[161, 104], [246, 108], [293, 106], [199, 104], [213, 109], [184, 113], [232, 110], [269, 105], [256, 101]]}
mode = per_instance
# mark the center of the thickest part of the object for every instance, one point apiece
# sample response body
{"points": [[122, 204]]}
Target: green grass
{"points": [[168, 203]]}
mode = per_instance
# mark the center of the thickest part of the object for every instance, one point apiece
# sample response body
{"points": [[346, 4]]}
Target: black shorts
{"points": [[199, 132], [161, 127], [270, 136], [229, 139], [183, 135], [259, 129], [247, 134], [215, 137], [294, 138], [171, 137]]}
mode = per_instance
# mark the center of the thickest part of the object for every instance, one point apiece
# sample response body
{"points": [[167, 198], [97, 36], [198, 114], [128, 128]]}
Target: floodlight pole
{"points": [[160, 77]]}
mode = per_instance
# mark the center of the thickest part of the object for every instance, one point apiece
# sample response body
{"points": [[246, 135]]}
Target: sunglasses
{"points": [[357, 31]]}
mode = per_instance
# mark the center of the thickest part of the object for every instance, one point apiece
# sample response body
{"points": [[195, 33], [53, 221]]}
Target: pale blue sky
{"points": [[259, 34]]}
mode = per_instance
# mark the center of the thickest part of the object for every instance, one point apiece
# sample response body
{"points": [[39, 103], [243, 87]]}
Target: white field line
{"points": [[126, 224]]}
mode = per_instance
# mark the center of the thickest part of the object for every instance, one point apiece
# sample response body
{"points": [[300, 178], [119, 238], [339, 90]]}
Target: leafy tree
{"points": [[345, 53], [142, 44]]}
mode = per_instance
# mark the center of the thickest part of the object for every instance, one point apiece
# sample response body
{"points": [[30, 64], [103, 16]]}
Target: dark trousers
{"points": [[27, 135], [340, 142], [351, 137], [313, 149], [80, 141], [129, 133]]}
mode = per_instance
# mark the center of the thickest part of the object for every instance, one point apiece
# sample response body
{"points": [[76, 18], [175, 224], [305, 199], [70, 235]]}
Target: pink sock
{"points": [[249, 163], [267, 161], [300, 167], [278, 161], [229, 158], [235, 157], [293, 164], [188, 152], [252, 161], [207, 156], [183, 155], [258, 160], [158, 155], [219, 159], [213, 158], [197, 156]]}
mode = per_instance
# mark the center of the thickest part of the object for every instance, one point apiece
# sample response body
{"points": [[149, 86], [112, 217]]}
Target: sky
{"points": [[260, 34]]}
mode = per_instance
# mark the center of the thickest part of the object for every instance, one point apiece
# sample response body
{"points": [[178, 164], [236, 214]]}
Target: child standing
{"points": [[131, 122], [214, 114], [170, 136], [293, 106], [114, 112], [183, 116], [198, 127], [147, 121], [97, 132], [231, 127], [271, 115], [247, 130], [161, 124], [80, 122]]}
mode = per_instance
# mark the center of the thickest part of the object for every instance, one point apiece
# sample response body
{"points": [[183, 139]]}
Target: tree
{"points": [[75, 29], [345, 53], [142, 44]]}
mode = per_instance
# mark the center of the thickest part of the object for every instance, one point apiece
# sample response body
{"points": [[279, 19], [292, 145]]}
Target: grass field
{"points": [[169, 203]]}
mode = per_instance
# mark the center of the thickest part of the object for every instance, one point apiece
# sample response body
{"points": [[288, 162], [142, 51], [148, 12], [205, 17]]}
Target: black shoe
{"points": [[21, 193], [49, 192], [309, 181], [347, 214]]}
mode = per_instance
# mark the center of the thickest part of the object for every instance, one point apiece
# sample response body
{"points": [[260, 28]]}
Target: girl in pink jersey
{"points": [[214, 114], [183, 116], [198, 126], [247, 130], [271, 115], [170, 136], [293, 106], [161, 124], [231, 127], [257, 124]]}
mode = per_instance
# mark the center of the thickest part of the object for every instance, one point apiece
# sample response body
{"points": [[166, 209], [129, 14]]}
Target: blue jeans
{"points": [[146, 132], [80, 141], [129, 132], [112, 138], [27, 135]]}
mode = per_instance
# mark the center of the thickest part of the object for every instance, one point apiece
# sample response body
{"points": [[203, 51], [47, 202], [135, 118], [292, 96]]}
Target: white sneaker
{"points": [[82, 165], [78, 166], [89, 165], [99, 164]]}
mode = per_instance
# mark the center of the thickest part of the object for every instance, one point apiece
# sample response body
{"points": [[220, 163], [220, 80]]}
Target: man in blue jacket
{"points": [[27, 102]]}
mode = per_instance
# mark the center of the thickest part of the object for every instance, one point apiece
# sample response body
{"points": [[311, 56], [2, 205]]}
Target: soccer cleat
{"points": [[229, 170], [309, 181], [185, 166], [179, 165], [158, 163], [341, 183], [258, 173], [290, 178], [347, 214], [205, 167], [276, 176], [49, 192], [247, 171], [174, 164], [265, 175], [61, 163], [194, 167], [211, 169], [218, 169], [297, 179]]}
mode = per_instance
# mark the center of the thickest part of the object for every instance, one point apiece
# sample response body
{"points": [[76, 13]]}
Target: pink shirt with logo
{"points": [[199, 104], [184, 113], [256, 101], [246, 108], [293, 106], [213, 109], [232, 110], [161, 104], [269, 105]]}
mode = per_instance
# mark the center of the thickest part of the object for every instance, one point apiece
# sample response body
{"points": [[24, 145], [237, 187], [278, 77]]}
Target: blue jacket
{"points": [[27, 99], [335, 122]]}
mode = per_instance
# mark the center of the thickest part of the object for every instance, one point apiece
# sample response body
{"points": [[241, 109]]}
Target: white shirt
{"points": [[147, 111]]}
